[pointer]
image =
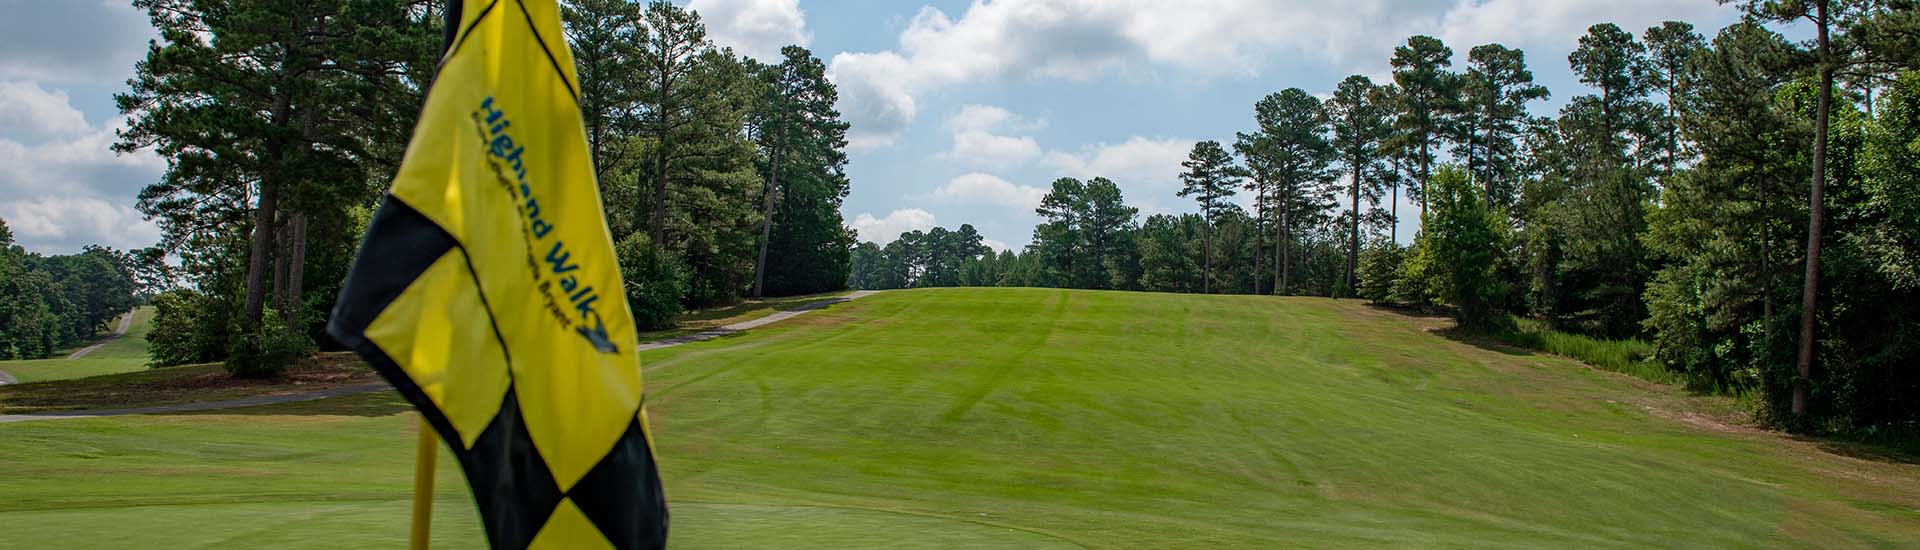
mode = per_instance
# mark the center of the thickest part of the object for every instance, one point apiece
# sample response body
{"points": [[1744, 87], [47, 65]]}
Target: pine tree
{"points": [[1210, 178], [1492, 115], [1295, 156], [1426, 93], [1359, 124], [802, 141], [1672, 47]]}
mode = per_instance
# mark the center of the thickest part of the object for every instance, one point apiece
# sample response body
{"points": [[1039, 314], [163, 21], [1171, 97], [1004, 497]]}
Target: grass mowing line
{"points": [[910, 513], [1140, 420]]}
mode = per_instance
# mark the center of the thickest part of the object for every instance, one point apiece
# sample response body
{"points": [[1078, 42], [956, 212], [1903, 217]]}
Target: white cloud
{"points": [[1085, 39], [28, 111], [976, 142], [757, 28], [79, 220], [996, 245], [885, 230], [1137, 163], [1556, 27], [69, 188], [978, 188]]}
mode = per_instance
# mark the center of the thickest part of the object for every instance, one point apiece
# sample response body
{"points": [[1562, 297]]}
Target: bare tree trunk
{"points": [[1426, 180], [1285, 245], [260, 250], [296, 272], [1809, 294], [1353, 244], [1394, 233], [660, 154], [282, 243], [1259, 231], [1766, 262], [766, 227], [1206, 245]]}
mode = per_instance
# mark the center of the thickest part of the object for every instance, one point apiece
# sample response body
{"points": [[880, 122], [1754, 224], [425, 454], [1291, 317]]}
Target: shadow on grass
{"points": [[378, 403], [1483, 341], [1628, 357], [1904, 452]]}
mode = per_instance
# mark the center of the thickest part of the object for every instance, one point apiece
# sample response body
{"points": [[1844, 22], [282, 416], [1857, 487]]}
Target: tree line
{"points": [[1746, 202], [48, 303], [282, 122]]}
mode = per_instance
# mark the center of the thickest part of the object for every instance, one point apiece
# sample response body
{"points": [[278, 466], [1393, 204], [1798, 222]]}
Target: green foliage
{"points": [[1891, 186], [1425, 93], [52, 302], [1380, 265], [1491, 117], [654, 282], [1632, 357], [1170, 254], [1084, 240], [267, 350], [802, 140], [188, 328], [1210, 178]]}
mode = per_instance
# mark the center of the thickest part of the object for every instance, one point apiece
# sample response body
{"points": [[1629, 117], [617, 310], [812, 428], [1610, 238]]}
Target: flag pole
{"points": [[427, 450], [424, 457]]}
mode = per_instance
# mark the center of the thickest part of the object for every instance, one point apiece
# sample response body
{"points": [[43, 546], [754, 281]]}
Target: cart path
{"points": [[779, 316], [369, 388], [126, 321]]}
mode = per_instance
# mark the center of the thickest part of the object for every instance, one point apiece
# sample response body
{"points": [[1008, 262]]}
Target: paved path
{"points": [[5, 378], [125, 322], [367, 388], [763, 321]]}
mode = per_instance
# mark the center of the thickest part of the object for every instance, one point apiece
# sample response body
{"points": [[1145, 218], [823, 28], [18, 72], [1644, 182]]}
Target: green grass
{"points": [[1631, 356], [1027, 418], [701, 320], [124, 354]]}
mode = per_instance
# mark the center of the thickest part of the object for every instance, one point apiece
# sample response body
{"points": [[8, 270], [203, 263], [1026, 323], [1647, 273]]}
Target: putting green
{"points": [[1025, 418]]}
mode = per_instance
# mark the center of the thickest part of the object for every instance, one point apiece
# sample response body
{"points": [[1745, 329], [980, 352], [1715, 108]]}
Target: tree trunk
{"points": [[1206, 248], [1488, 144], [1394, 233], [1426, 175], [1259, 231], [660, 154], [261, 249], [766, 227], [1353, 244], [1809, 294], [1285, 245], [283, 242], [296, 270]]}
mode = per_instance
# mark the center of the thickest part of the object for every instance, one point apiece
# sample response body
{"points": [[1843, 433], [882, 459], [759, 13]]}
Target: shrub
{"points": [[1379, 269], [188, 327], [267, 350], [655, 282]]}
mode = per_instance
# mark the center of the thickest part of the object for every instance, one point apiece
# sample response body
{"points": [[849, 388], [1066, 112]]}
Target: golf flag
{"points": [[487, 293]]}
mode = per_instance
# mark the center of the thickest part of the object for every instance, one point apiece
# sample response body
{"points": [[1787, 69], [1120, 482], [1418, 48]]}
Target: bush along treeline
{"points": [[1747, 204], [49, 303], [282, 121]]}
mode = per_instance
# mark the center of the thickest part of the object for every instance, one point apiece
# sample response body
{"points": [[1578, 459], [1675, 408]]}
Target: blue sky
{"points": [[962, 111]]}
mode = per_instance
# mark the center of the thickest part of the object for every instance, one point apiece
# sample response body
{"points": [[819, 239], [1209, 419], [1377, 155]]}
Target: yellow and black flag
{"points": [[487, 293]]}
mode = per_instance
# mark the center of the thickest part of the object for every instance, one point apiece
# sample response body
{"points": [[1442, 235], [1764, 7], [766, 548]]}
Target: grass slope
{"points": [[127, 353], [1020, 418]]}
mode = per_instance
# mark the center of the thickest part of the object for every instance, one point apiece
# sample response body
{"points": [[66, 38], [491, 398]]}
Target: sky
{"points": [[961, 111]]}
